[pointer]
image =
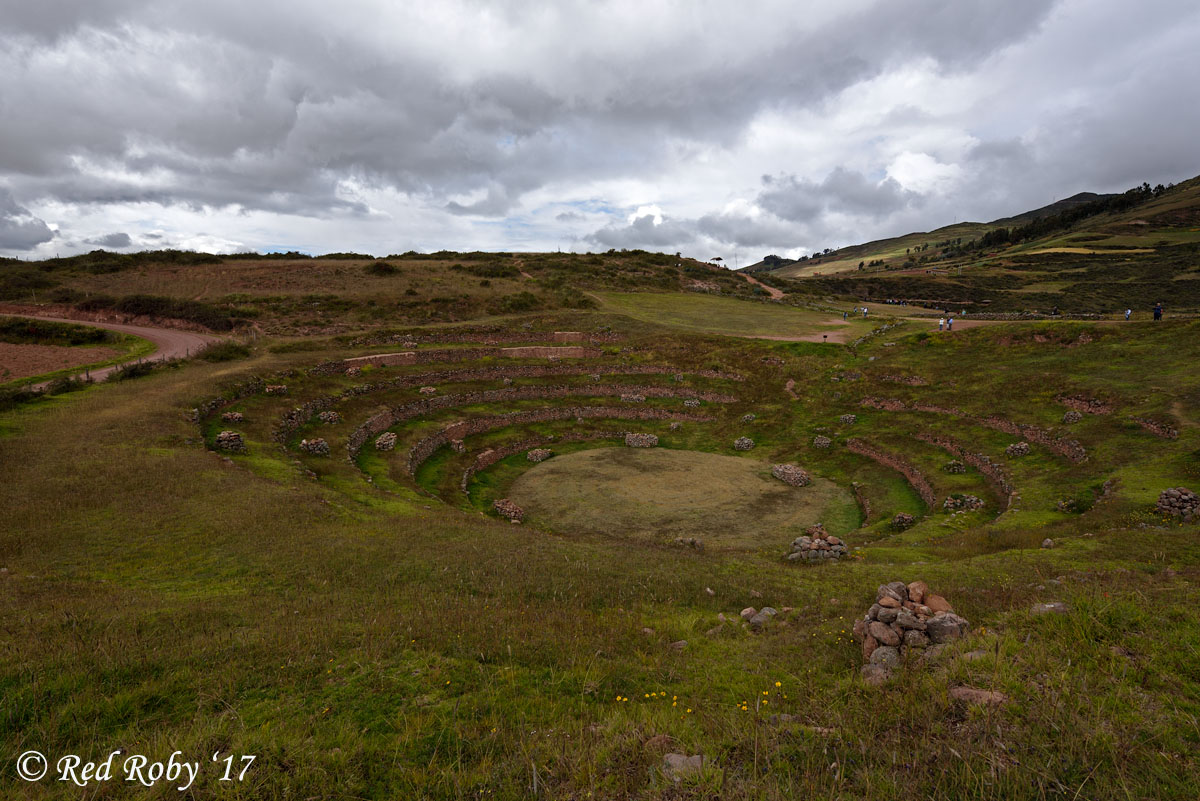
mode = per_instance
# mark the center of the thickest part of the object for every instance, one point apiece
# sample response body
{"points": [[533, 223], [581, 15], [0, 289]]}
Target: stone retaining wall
{"points": [[911, 474], [472, 354], [427, 446], [484, 338], [489, 457], [992, 472]]}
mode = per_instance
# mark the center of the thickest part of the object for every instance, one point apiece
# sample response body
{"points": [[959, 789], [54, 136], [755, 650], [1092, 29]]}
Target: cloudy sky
{"points": [[715, 128]]}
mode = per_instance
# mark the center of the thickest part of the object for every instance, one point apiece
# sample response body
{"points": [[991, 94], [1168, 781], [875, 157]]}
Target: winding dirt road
{"points": [[775, 294], [169, 343]]}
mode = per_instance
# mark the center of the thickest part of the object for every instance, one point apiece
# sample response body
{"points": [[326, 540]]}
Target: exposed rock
{"points": [[1018, 449], [936, 603], [506, 508], [677, 767], [791, 474], [821, 441], [917, 591], [876, 675], [690, 542], [315, 447], [945, 627], [385, 441], [675, 426], [1047, 543], [230, 441], [885, 655], [539, 455], [743, 444], [1051, 608], [748, 613], [971, 695], [678, 645], [883, 633], [641, 440]]}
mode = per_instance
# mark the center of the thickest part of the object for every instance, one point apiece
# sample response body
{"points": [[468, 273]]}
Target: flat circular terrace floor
{"points": [[659, 494]]}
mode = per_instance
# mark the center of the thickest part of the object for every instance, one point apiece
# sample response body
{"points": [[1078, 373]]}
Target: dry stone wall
{"points": [[912, 475], [443, 355], [1005, 492], [489, 457]]}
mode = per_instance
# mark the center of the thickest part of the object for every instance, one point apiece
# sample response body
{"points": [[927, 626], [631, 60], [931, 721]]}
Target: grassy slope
{"points": [[130, 347]]}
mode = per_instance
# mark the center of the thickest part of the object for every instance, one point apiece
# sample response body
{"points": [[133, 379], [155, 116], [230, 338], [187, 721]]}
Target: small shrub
{"points": [[131, 370], [223, 352], [381, 268]]}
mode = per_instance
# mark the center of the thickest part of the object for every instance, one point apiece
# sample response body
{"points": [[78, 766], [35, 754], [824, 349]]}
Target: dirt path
{"points": [[169, 343], [775, 294]]}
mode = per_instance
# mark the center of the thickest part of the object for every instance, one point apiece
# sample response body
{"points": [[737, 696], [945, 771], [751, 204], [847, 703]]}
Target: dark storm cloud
{"points": [[842, 191], [20, 230], [118, 240]]}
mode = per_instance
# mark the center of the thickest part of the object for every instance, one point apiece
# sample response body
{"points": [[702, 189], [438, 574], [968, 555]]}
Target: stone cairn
{"points": [[427, 390], [275, 389], [962, 503], [904, 619], [507, 509], [231, 441], [354, 372], [690, 542], [848, 419], [233, 417], [791, 475], [1072, 417], [315, 447], [820, 441], [633, 398], [691, 403], [817, 545], [641, 440], [675, 426], [749, 418], [329, 418], [539, 455], [1179, 502], [743, 444], [386, 441], [1018, 449], [903, 521], [954, 466]]}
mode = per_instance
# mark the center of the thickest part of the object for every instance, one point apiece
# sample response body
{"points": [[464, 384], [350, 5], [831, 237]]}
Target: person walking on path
{"points": [[864, 312], [844, 316], [950, 324], [1128, 312], [941, 323], [1158, 311]]}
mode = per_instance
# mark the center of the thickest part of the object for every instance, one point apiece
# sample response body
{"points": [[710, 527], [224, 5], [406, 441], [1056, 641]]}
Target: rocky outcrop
{"points": [[230, 441], [817, 545], [1179, 502], [791, 474], [906, 621], [915, 477], [743, 444], [641, 440]]}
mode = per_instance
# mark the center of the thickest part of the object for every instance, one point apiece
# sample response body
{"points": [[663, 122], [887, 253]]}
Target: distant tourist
{"points": [[864, 312], [844, 316], [1128, 313], [950, 324], [941, 323], [1158, 311]]}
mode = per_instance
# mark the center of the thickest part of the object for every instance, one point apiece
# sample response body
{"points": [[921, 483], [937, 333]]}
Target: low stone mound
{"points": [[633, 398], [691, 403], [427, 390], [275, 389], [1158, 429], [641, 440], [817, 545], [954, 466], [903, 521], [233, 417], [539, 455], [848, 419], [354, 372], [1084, 404], [230, 441], [315, 447], [743, 444], [962, 503], [386, 441], [749, 418], [820, 441], [329, 418], [792, 475], [1072, 417], [690, 542], [1017, 449], [905, 620], [507, 509], [675, 426], [1179, 502]]}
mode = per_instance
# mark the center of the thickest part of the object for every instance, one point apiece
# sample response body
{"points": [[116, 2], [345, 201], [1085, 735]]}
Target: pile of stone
{"points": [[817, 545], [903, 521], [329, 418], [848, 419], [962, 503], [690, 542], [749, 418], [820, 441], [633, 398], [1018, 449], [315, 447], [231, 441], [1067, 505], [743, 444], [233, 417], [641, 440], [954, 466], [1179, 502], [507, 382], [507, 509], [691, 403], [791, 475], [275, 389], [353, 372], [757, 618], [906, 619], [675, 426], [386, 441], [1072, 417], [458, 446], [427, 390], [539, 455]]}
